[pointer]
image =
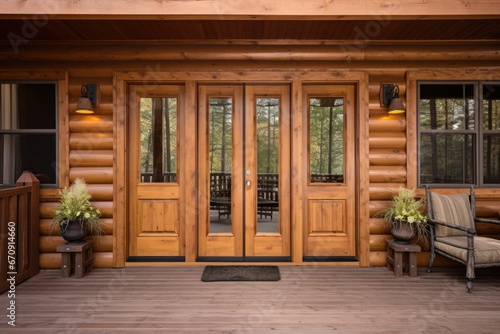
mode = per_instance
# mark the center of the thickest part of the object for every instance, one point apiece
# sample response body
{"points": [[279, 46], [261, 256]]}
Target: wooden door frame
{"points": [[244, 242], [190, 76], [171, 240], [325, 237], [236, 236]]}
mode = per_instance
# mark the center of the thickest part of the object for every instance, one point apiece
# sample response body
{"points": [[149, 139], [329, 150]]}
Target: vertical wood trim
{"points": [[181, 164], [297, 172], [63, 149], [248, 132], [119, 172], [285, 168], [238, 159], [190, 193], [363, 171], [202, 170], [411, 133]]}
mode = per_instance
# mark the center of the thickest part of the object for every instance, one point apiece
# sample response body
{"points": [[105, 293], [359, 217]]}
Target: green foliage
{"points": [[405, 207], [326, 133], [169, 135], [267, 135], [75, 205]]}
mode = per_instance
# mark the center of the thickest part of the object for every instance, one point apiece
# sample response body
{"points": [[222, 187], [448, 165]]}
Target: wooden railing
{"points": [[167, 177], [19, 231]]}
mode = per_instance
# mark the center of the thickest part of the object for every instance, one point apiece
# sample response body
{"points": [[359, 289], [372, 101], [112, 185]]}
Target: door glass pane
{"points": [[220, 164], [267, 164], [159, 139], [326, 139]]}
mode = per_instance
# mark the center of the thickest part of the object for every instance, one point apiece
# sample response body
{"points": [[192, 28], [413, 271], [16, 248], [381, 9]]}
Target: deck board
{"points": [[314, 299]]}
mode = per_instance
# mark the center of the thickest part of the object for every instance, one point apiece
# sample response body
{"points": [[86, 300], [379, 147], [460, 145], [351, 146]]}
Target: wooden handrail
{"points": [[19, 231]]}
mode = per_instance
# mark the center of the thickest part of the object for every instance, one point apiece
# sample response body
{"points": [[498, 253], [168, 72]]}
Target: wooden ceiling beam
{"points": [[251, 10], [340, 52]]}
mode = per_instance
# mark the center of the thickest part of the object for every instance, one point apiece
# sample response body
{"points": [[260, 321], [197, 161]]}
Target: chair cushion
{"points": [[451, 209], [486, 250]]}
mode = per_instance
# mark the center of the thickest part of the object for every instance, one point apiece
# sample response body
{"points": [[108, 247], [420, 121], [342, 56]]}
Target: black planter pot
{"points": [[72, 230], [402, 231]]}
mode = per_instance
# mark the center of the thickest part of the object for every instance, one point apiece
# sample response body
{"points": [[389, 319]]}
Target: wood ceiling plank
{"points": [[255, 9], [356, 31]]}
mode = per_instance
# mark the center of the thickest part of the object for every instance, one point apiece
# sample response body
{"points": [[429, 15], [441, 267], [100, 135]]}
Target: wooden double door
{"points": [[212, 180], [244, 172]]}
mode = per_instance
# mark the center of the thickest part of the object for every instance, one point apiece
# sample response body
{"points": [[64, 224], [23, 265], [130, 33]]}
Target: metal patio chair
{"points": [[452, 221]]}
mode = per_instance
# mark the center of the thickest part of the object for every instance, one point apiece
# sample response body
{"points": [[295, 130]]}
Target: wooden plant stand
{"points": [[402, 257], [76, 257]]}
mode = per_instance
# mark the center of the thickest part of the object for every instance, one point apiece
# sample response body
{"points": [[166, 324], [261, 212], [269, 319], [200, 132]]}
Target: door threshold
{"points": [[156, 259], [330, 259], [245, 259]]}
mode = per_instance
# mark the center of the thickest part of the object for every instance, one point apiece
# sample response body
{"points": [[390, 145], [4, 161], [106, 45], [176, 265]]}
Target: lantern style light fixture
{"points": [[88, 99], [389, 95]]}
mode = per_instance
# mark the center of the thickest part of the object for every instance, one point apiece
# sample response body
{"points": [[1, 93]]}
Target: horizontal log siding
{"points": [[90, 158], [387, 154], [388, 171], [91, 136]]}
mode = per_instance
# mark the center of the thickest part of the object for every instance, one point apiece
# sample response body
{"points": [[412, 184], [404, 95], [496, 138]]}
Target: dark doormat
{"points": [[240, 273]]}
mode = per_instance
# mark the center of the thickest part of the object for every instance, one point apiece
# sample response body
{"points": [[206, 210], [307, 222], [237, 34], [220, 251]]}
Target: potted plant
{"points": [[76, 217], [406, 217]]}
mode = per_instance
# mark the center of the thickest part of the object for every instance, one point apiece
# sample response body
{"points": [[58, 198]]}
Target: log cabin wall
{"points": [[393, 155], [90, 156], [387, 155], [91, 142]]}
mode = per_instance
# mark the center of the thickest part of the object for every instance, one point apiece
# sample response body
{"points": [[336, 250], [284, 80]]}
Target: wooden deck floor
{"points": [[306, 300]]}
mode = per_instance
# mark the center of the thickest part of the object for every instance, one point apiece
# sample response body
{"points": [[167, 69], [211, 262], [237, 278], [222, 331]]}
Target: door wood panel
{"points": [[229, 243], [329, 229], [154, 207], [275, 243]]}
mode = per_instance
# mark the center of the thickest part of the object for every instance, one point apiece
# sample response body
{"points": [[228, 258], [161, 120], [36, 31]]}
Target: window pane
{"points": [[159, 139], [267, 164], [220, 163], [32, 152], [447, 158], [28, 106], [326, 139], [446, 107], [491, 107], [491, 163]]}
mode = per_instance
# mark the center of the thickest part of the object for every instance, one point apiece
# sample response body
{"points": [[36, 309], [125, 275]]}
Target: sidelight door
{"points": [[155, 179], [330, 186], [244, 172]]}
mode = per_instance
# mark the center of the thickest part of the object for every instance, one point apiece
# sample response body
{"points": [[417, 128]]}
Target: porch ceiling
{"points": [[156, 30]]}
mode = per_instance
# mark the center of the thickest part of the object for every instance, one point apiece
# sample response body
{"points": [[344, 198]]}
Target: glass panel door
{"points": [[330, 232], [267, 163], [154, 154], [243, 166]]}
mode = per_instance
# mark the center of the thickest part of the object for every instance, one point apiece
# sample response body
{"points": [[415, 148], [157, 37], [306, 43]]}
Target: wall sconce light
{"points": [[389, 95], [87, 100]]}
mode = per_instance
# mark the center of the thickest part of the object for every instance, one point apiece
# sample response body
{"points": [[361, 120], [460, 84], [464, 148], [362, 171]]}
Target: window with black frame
{"points": [[28, 131], [459, 133]]}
